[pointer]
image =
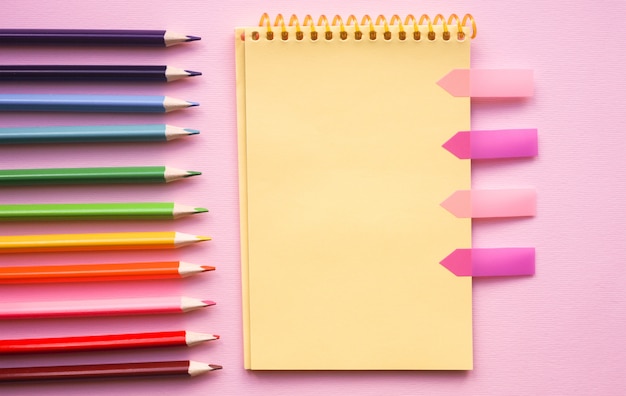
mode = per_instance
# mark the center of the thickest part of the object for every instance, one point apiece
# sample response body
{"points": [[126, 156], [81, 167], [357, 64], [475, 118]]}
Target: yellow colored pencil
{"points": [[89, 242]]}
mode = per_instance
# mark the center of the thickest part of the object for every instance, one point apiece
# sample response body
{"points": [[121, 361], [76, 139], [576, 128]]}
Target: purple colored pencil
{"points": [[92, 73], [89, 37]]}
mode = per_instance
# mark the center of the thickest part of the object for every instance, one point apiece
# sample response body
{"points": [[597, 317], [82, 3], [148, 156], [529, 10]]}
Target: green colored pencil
{"points": [[134, 174], [97, 211]]}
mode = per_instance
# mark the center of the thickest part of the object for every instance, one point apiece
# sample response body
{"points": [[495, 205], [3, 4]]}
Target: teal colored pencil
{"points": [[93, 134], [97, 211], [113, 175], [92, 103]]}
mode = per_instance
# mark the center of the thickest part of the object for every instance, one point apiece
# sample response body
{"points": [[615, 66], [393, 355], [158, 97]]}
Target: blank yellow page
{"points": [[342, 173]]}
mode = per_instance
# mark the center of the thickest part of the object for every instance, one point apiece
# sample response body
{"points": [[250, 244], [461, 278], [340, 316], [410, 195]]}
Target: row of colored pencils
{"points": [[72, 273]]}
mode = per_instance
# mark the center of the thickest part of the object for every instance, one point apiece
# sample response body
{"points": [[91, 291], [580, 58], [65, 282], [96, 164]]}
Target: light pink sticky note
{"points": [[488, 83], [492, 203]]}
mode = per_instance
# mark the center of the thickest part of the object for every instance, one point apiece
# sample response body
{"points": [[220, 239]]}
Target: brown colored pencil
{"points": [[109, 370]]}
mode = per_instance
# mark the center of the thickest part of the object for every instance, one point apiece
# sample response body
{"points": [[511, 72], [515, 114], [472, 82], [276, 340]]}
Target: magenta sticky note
{"points": [[486, 144], [488, 83], [491, 262]]}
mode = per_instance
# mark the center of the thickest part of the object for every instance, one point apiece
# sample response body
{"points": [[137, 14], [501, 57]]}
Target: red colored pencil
{"points": [[109, 341], [142, 369]]}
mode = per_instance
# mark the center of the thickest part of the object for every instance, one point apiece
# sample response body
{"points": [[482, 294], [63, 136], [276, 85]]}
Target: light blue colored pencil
{"points": [[93, 133], [92, 103]]}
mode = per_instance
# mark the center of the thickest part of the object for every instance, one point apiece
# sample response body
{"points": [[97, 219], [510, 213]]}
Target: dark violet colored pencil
{"points": [[109, 370], [93, 73], [89, 37]]}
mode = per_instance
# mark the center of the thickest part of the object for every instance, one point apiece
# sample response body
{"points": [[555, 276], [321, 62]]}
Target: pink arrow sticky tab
{"points": [[492, 203], [491, 262], [488, 83], [503, 143]]}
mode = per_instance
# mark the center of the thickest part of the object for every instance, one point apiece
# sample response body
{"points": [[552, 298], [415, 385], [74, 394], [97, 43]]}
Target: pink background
{"points": [[561, 332]]}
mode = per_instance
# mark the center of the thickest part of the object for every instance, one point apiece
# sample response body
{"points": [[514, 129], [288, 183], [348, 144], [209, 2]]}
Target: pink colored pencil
{"points": [[105, 307]]}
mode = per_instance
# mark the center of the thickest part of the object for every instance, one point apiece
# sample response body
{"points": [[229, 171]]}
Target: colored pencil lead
{"points": [[193, 38], [208, 267], [193, 173]]}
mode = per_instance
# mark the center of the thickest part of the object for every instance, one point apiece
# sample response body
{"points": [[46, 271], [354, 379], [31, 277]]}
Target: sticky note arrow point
{"points": [[459, 145]]}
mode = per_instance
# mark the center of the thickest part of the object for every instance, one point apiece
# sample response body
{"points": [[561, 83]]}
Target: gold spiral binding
{"points": [[381, 24]]}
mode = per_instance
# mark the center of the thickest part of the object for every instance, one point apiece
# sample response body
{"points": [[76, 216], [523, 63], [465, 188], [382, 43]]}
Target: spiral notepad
{"points": [[341, 124]]}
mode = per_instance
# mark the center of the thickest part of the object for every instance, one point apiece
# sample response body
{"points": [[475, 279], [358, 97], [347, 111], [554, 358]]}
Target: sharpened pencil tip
{"points": [[202, 238], [192, 131], [192, 73], [208, 302], [215, 366], [193, 104], [193, 38], [193, 173], [200, 210], [208, 267]]}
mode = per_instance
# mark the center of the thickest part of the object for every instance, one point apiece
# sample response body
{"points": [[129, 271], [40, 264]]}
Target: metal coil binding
{"points": [[410, 28]]}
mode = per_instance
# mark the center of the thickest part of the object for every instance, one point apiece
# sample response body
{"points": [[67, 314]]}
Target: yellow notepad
{"points": [[341, 176]]}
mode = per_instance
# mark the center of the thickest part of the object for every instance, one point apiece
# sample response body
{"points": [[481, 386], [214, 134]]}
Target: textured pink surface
{"points": [[560, 332]]}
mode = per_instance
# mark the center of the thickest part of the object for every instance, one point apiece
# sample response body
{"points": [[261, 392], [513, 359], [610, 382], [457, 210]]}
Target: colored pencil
{"points": [[98, 211], [109, 175], [100, 272], [92, 103], [108, 341], [93, 73], [110, 370], [108, 307], [91, 242], [94, 134], [92, 37]]}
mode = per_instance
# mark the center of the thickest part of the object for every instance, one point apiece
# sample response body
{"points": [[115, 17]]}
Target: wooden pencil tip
{"points": [[217, 336], [208, 268], [215, 366], [203, 238], [192, 73], [193, 38], [208, 302]]}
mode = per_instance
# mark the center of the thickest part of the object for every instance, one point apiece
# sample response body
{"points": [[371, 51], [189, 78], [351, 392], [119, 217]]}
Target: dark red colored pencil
{"points": [[108, 341], [109, 370]]}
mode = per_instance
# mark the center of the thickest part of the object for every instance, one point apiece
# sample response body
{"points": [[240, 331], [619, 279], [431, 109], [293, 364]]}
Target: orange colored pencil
{"points": [[100, 272]]}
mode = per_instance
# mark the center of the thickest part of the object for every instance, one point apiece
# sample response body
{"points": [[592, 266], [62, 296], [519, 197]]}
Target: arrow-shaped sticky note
{"points": [[504, 143], [491, 262], [487, 83], [492, 203]]}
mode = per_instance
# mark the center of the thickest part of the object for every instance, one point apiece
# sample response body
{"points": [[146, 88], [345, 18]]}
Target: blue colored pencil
{"points": [[93, 133], [92, 103]]}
